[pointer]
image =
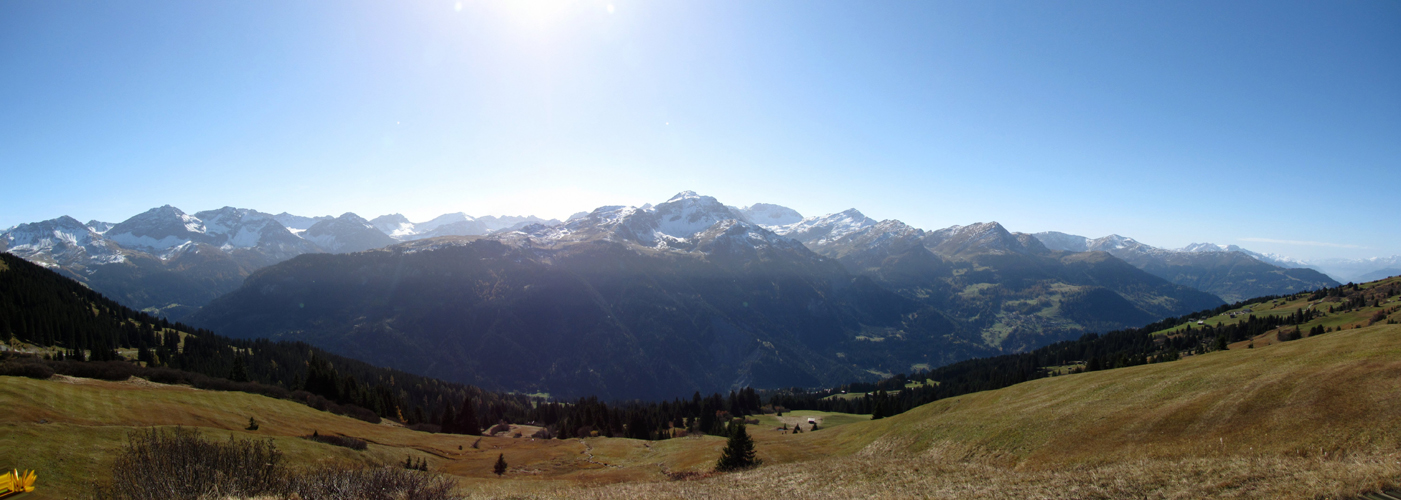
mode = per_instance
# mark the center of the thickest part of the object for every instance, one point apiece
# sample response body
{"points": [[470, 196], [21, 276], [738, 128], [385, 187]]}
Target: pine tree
{"points": [[739, 451], [500, 467]]}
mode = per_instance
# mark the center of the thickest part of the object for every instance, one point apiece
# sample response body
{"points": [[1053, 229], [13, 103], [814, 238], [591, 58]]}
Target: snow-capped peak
{"points": [[395, 225], [98, 226], [60, 242], [820, 230], [157, 229], [688, 213], [442, 220], [767, 215], [685, 195]]}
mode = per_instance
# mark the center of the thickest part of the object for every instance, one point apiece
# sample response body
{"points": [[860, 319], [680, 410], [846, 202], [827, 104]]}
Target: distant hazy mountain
{"points": [[1230, 272], [454, 224], [168, 262], [395, 225], [691, 294], [163, 260], [298, 223], [182, 278], [1356, 270], [1380, 274], [347, 233]]}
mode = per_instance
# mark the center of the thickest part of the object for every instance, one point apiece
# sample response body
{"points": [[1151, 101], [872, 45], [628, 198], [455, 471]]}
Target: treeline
{"points": [[43, 308]]}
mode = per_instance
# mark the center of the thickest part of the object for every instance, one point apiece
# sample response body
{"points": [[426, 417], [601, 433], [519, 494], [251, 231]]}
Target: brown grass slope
{"points": [[70, 430], [1315, 418]]}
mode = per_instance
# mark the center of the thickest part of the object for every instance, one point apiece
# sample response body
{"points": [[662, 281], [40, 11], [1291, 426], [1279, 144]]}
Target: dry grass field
{"points": [[1314, 418]]}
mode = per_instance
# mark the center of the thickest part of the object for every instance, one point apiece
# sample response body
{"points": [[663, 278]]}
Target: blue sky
{"points": [[1272, 125]]}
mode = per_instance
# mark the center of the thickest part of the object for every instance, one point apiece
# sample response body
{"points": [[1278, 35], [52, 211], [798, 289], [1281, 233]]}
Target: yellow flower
{"points": [[14, 483]]}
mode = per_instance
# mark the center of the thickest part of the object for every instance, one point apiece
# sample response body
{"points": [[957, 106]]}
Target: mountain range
{"points": [[652, 301], [1230, 272], [168, 262], [690, 294]]}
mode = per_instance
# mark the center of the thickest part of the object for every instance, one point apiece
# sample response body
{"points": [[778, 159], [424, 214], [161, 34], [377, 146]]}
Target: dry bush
{"points": [[19, 368], [180, 463], [379, 483], [176, 464], [500, 427]]}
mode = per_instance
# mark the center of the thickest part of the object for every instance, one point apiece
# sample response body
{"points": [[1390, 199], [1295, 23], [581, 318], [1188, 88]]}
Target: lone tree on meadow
{"points": [[739, 451], [500, 467]]}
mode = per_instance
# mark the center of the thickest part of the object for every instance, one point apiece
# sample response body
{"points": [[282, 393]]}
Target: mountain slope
{"points": [[601, 319], [1008, 287], [1231, 273], [347, 233], [1313, 418]]}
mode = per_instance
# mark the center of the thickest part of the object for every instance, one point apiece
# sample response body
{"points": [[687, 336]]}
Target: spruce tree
{"points": [[500, 467], [739, 451]]}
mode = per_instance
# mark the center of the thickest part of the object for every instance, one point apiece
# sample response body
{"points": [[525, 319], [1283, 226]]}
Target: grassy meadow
{"points": [[1317, 417]]}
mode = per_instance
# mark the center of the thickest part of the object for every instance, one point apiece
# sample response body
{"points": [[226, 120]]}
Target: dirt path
{"points": [[588, 453]]}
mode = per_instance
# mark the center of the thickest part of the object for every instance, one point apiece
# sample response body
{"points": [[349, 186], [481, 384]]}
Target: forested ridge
{"points": [[85, 332]]}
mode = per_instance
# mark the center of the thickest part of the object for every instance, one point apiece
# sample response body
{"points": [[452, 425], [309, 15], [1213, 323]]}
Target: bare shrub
{"points": [[427, 427], [180, 463], [379, 483], [23, 369], [502, 426]]}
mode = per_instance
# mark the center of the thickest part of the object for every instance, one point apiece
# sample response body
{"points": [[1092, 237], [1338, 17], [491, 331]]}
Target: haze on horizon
{"points": [[1271, 125]]}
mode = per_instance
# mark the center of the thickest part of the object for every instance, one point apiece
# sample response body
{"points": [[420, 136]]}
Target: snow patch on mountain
{"points": [[688, 213], [297, 223], [819, 231], [157, 229], [98, 226], [395, 225], [61, 242], [770, 215]]}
